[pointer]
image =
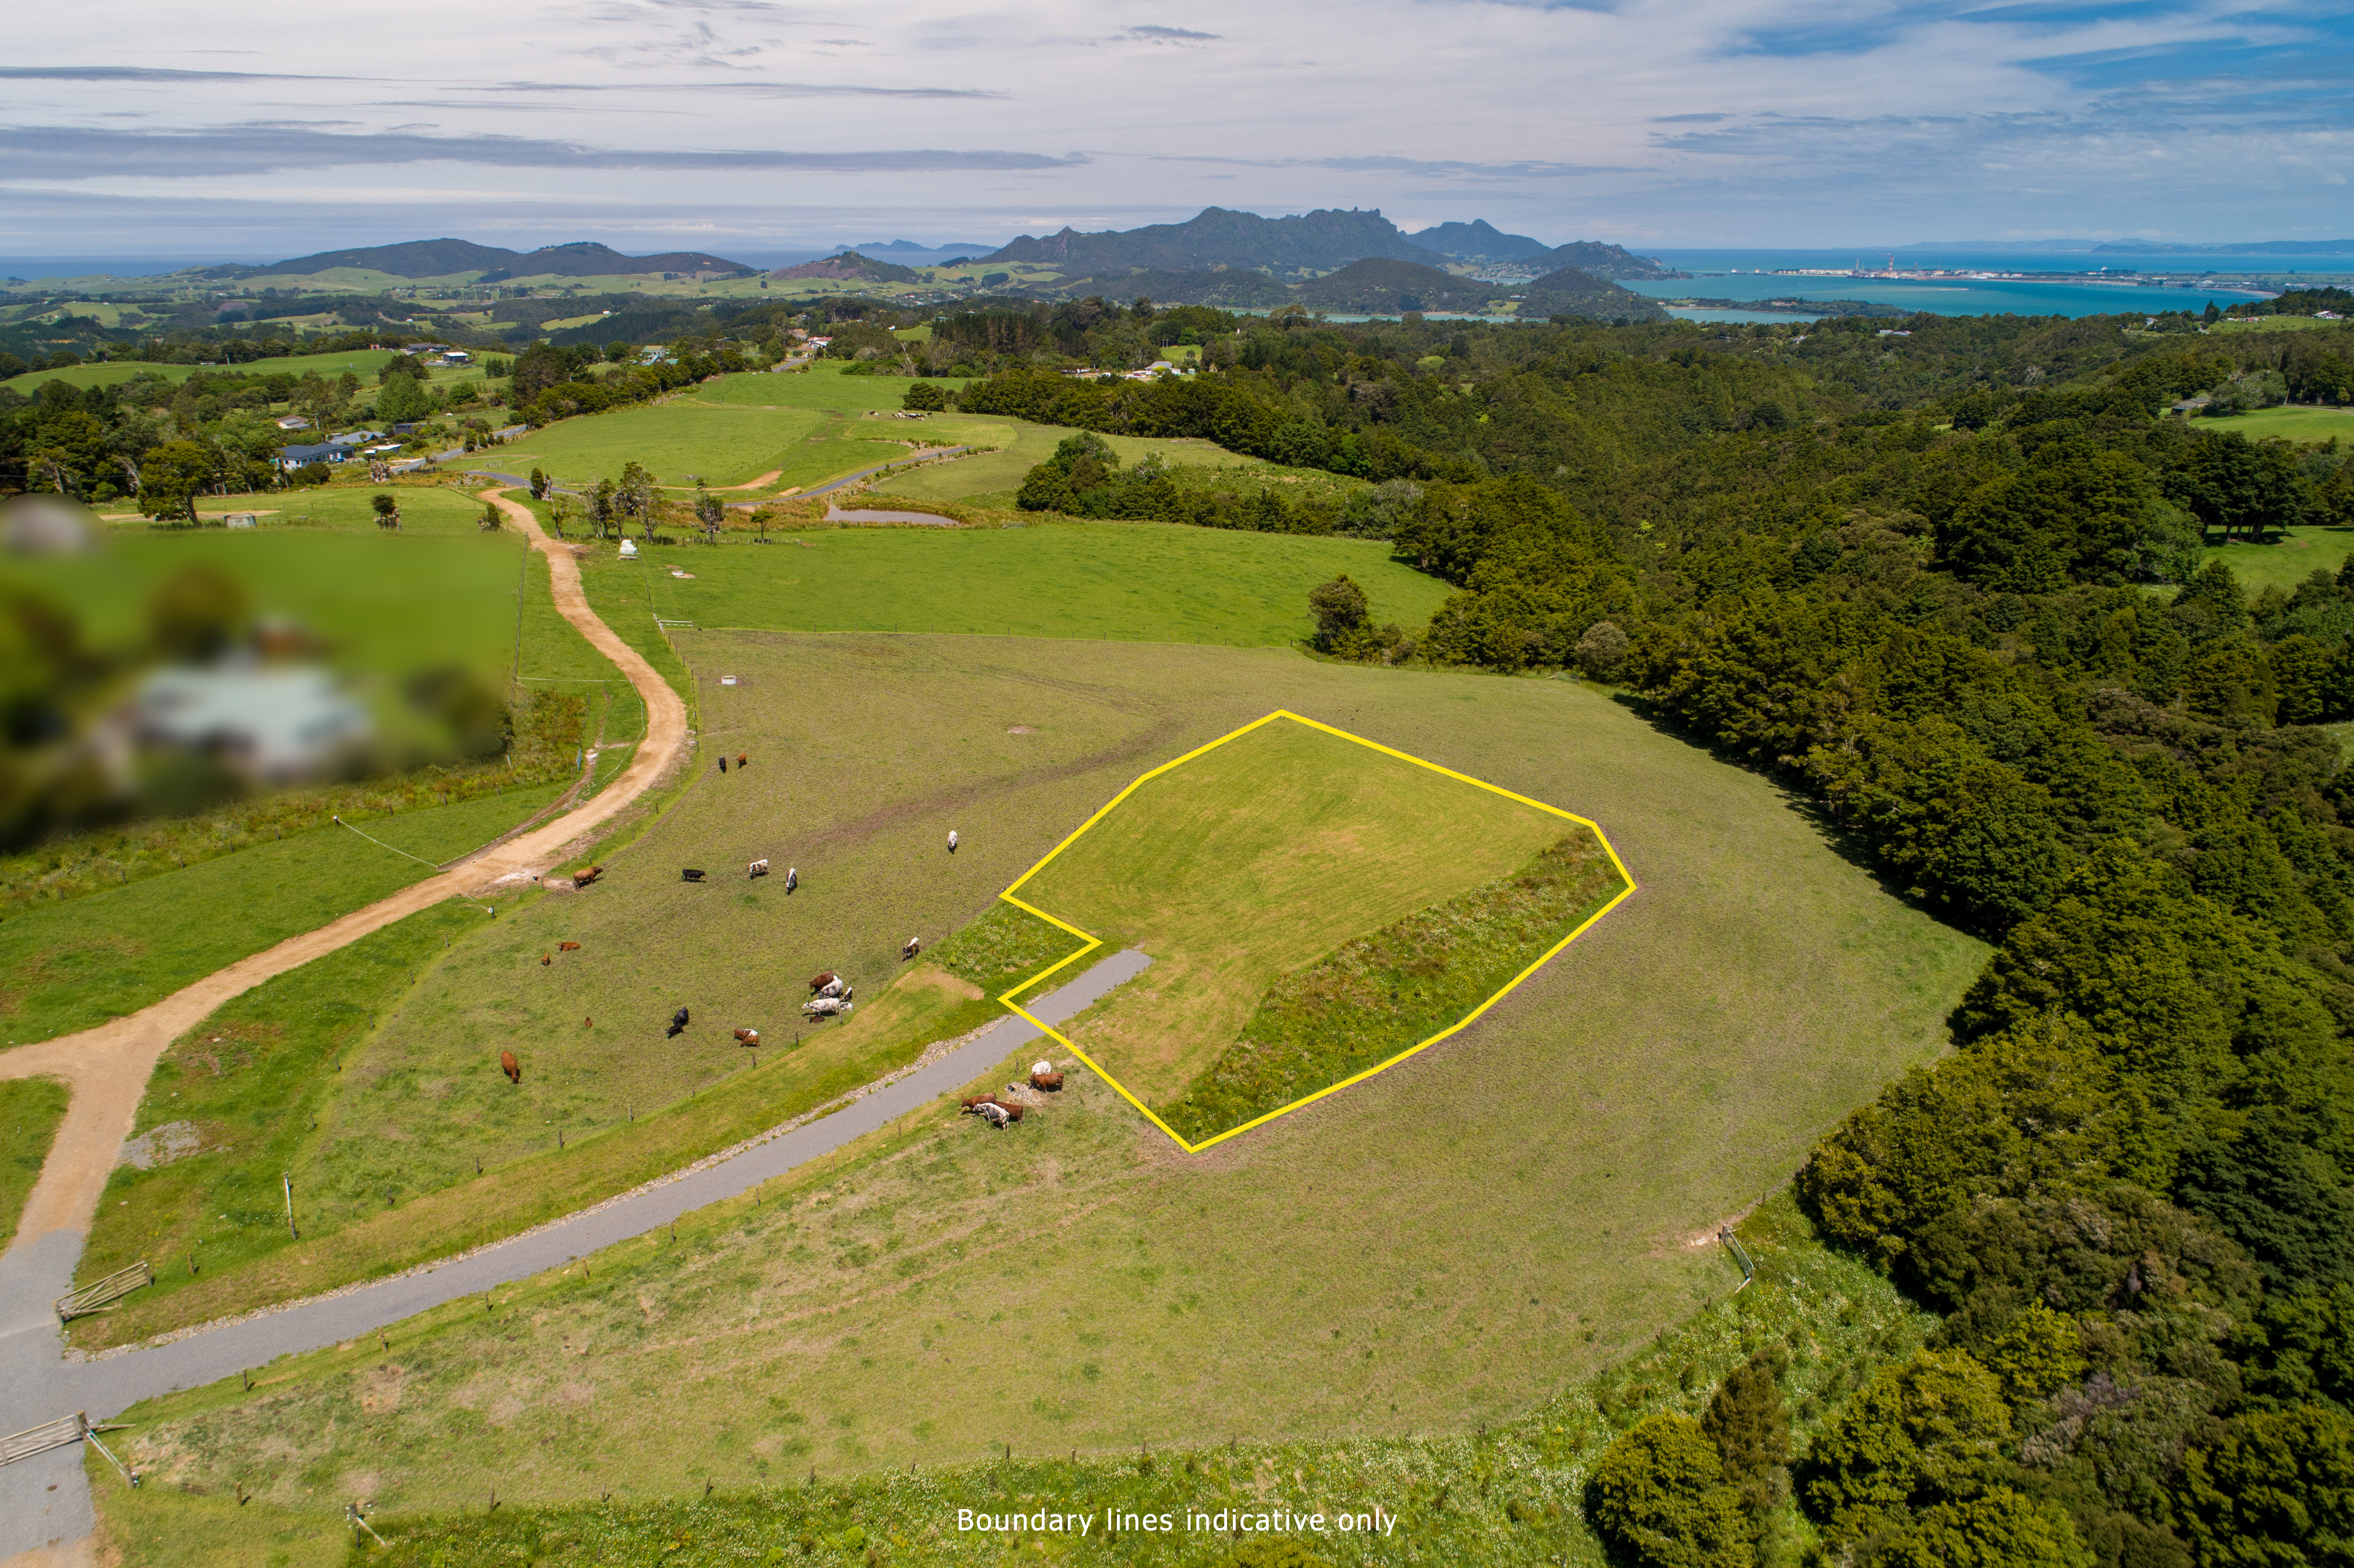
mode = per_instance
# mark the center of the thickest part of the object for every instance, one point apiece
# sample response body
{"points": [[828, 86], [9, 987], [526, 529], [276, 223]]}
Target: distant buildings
{"points": [[324, 451]]}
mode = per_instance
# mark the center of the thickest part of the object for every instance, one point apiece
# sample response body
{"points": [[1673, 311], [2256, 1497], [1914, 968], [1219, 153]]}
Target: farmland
{"points": [[1250, 861], [364, 363], [1124, 581], [2286, 558], [1451, 1243], [2300, 424]]}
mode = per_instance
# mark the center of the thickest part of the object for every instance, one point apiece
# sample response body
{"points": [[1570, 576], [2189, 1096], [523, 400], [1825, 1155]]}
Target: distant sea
{"points": [[1749, 275]]}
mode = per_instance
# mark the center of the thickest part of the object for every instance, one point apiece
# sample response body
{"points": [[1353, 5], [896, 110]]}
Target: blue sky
{"points": [[135, 127]]}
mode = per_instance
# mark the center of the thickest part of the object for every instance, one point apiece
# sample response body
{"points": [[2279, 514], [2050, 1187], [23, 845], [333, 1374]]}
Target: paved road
{"points": [[36, 1384]]}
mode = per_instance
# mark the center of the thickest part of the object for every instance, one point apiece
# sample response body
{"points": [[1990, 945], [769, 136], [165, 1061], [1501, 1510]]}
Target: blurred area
{"points": [[143, 681]]}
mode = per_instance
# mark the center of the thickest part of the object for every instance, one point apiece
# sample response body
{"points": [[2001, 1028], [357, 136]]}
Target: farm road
{"points": [[107, 1069]]}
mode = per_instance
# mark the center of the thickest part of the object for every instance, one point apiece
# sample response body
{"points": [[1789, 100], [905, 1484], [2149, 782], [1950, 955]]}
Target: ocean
{"points": [[2109, 284]]}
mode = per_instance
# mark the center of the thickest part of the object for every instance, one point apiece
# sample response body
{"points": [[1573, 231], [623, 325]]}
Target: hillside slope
{"points": [[1570, 292], [1379, 286]]}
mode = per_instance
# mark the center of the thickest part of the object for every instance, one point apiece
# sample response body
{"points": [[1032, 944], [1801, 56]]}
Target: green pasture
{"points": [[2273, 324], [1832, 1315], [364, 363], [1447, 1244], [1124, 581], [2299, 424], [2286, 559], [30, 1110], [1254, 860]]}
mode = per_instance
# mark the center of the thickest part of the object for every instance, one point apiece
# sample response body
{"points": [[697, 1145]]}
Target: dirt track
{"points": [[107, 1067]]}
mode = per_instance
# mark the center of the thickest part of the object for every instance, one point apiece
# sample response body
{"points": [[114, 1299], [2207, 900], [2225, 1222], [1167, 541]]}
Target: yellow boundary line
{"points": [[1093, 942]]}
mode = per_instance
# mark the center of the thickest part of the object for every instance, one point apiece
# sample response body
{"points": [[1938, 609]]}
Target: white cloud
{"points": [[1700, 121]]}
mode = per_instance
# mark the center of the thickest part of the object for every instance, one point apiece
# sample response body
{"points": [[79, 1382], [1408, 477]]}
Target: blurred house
{"points": [[323, 451], [271, 725], [47, 525]]}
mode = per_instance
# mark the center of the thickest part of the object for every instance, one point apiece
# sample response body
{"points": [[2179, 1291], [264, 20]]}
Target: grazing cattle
{"points": [[510, 1066], [741, 759], [1038, 1067], [793, 879], [915, 945], [995, 1114], [587, 1024], [567, 946], [952, 841], [547, 958], [826, 984], [747, 1037], [689, 874], [757, 868], [583, 879], [722, 764], [827, 1006], [677, 1023], [1050, 1082]]}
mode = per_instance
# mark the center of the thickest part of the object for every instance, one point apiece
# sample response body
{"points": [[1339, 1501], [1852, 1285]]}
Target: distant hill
{"points": [[849, 265], [1233, 288], [907, 250], [441, 258], [1602, 262], [2251, 248], [1312, 243], [1570, 292], [1478, 241], [1380, 286]]}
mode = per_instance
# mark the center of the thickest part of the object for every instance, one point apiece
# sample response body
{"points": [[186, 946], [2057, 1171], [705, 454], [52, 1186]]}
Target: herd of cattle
{"points": [[831, 995]]}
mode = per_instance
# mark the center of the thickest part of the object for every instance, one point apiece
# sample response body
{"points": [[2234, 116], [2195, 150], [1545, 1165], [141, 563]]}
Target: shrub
{"points": [[1918, 1434], [925, 395], [2278, 1489], [1752, 1433], [1658, 1495]]}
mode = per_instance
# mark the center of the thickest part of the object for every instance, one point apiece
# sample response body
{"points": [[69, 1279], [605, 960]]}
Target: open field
{"points": [[1142, 581], [2288, 556], [364, 363], [1450, 1243], [72, 965], [343, 506], [1508, 1493], [2298, 424], [30, 1109], [1253, 860]]}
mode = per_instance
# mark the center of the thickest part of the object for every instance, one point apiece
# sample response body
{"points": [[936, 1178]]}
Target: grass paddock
{"points": [[1451, 1243]]}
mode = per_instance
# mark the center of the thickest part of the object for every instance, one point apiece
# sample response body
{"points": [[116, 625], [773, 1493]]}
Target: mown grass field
{"points": [[2286, 559], [1451, 1243], [30, 1110], [1253, 860], [2300, 424], [1118, 581], [1503, 1493], [344, 506]]}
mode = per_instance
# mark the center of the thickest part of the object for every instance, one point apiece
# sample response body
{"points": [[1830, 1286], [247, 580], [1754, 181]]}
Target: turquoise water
{"points": [[2112, 284]]}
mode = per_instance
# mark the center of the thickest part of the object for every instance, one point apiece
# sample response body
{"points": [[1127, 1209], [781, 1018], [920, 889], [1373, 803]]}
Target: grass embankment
{"points": [[1145, 582], [1468, 1217], [30, 1110], [267, 1086], [1002, 947], [1250, 861], [1362, 1004], [1511, 1492]]}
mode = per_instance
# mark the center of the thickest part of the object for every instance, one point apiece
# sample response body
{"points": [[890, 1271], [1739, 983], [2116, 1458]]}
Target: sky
{"points": [[266, 129]]}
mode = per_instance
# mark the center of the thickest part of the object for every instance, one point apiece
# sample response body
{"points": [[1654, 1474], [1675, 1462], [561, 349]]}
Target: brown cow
{"points": [[972, 1103], [567, 946], [741, 759], [510, 1066], [1050, 1082], [819, 982], [547, 958], [582, 879], [747, 1037]]}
